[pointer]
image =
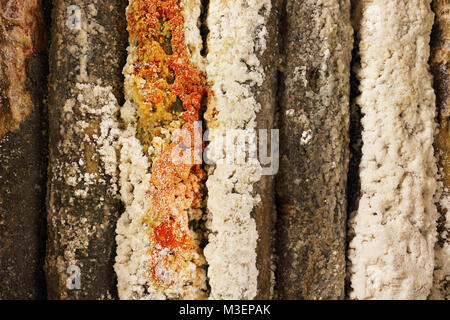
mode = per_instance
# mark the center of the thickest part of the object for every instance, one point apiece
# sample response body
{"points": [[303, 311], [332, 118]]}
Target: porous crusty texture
{"points": [[236, 37], [440, 56], [314, 123], [23, 67], [392, 253], [84, 93], [192, 10], [21, 28], [132, 259], [154, 264]]}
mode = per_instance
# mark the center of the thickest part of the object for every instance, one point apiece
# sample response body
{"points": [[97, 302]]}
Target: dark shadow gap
{"points": [[204, 30], [282, 28], [353, 179]]}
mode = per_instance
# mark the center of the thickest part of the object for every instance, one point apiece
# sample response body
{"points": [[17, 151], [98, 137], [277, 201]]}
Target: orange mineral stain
{"points": [[170, 91]]}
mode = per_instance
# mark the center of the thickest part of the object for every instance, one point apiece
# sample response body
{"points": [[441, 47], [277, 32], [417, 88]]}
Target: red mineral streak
{"points": [[168, 75]]}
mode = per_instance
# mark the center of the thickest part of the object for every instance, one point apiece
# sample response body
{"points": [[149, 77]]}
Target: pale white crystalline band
{"points": [[192, 10], [236, 35], [395, 227]]}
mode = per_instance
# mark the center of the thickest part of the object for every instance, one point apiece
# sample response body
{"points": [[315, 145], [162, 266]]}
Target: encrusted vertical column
{"points": [[160, 233], [264, 212], [235, 69], [23, 67], [86, 58], [314, 124], [392, 253]]}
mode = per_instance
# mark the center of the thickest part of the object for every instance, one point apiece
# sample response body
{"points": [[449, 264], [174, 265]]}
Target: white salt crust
{"points": [[236, 36], [392, 253], [192, 10], [133, 260], [94, 107]]}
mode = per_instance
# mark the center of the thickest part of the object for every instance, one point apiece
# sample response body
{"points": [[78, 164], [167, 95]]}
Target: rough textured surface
{"points": [[440, 56], [237, 35], [22, 211], [314, 123], [85, 86], [22, 153], [21, 27], [395, 227], [159, 234], [265, 212]]}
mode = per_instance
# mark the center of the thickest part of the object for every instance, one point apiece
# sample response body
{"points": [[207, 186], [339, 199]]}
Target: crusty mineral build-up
{"points": [[236, 42], [314, 123], [22, 149], [392, 253], [88, 40], [166, 179], [158, 254], [440, 55], [159, 235]]}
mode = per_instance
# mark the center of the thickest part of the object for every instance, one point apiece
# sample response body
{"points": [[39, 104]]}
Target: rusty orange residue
{"points": [[166, 235], [169, 90]]}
